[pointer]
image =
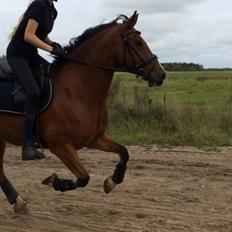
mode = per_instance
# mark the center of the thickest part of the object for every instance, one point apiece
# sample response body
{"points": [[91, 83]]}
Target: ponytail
{"points": [[12, 33]]}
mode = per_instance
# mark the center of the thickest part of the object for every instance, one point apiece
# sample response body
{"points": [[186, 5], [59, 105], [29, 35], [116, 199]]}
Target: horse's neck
{"points": [[86, 81]]}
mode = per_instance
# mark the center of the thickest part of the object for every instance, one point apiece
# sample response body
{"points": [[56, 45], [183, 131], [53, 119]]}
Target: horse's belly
{"points": [[80, 134], [77, 127]]}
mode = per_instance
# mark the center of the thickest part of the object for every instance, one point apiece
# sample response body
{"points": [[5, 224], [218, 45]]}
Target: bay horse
{"points": [[77, 115]]}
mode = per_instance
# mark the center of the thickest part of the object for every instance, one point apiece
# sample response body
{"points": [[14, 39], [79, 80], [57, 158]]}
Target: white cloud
{"points": [[182, 30], [152, 6]]}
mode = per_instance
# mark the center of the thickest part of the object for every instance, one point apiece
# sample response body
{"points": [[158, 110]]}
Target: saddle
{"points": [[12, 96], [6, 71]]}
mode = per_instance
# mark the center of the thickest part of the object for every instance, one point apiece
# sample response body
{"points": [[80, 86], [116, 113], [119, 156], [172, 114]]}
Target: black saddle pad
{"points": [[12, 96]]}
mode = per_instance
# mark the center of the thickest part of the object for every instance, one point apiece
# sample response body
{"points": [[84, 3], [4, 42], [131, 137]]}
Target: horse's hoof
{"points": [[20, 206], [109, 185], [49, 181]]}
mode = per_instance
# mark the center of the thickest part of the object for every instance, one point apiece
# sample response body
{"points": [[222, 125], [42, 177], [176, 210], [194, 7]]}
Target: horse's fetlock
{"points": [[83, 182], [119, 173]]}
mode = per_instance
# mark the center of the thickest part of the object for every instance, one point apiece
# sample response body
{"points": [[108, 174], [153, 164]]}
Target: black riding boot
{"points": [[29, 152]]}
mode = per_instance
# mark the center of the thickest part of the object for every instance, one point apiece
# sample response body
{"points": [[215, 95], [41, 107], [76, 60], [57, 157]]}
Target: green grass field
{"points": [[196, 88], [191, 108]]}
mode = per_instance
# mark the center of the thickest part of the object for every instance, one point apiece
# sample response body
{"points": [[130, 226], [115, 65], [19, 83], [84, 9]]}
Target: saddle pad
{"points": [[8, 105]]}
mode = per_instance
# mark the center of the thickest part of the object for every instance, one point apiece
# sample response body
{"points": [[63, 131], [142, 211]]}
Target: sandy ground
{"points": [[179, 189]]}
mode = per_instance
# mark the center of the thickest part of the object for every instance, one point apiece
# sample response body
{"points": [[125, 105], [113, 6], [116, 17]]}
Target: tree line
{"points": [[177, 66], [2, 57]]}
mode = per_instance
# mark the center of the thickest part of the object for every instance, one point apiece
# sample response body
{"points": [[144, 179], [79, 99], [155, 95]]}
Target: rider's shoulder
{"points": [[38, 3]]}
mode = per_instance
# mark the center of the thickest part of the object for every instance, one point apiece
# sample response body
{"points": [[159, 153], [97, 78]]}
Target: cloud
{"points": [[152, 6], [181, 30]]}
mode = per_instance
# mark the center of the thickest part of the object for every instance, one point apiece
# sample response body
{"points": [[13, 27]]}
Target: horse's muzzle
{"points": [[155, 79]]}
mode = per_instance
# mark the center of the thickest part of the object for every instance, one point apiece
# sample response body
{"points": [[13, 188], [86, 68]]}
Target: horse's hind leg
{"points": [[11, 194], [104, 143], [69, 157]]}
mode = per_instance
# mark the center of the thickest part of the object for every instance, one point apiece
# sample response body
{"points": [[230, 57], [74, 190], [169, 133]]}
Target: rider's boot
{"points": [[29, 151]]}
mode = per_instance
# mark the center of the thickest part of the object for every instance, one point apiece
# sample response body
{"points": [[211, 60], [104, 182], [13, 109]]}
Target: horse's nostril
{"points": [[163, 76]]}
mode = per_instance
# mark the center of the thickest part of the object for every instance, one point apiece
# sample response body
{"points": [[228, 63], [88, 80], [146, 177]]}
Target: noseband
{"points": [[140, 69]]}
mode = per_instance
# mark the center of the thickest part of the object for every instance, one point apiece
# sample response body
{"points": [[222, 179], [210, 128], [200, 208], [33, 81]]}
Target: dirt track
{"points": [[164, 190]]}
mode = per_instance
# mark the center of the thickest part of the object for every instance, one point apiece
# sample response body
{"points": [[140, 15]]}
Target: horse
{"points": [[77, 116]]}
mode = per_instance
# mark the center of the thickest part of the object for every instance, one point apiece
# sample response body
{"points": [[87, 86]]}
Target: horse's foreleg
{"points": [[70, 158], [104, 143], [11, 194]]}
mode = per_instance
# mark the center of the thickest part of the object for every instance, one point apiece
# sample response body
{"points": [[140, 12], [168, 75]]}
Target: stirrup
{"points": [[30, 153]]}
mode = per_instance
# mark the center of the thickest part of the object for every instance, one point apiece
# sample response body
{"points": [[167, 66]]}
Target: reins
{"points": [[140, 67], [84, 62]]}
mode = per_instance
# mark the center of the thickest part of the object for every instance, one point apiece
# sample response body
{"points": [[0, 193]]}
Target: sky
{"points": [[198, 31]]}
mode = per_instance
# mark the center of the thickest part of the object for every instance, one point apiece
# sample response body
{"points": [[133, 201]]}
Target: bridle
{"points": [[140, 69]]}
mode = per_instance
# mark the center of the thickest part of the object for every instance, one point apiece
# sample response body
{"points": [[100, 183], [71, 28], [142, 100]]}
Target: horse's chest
{"points": [[87, 126]]}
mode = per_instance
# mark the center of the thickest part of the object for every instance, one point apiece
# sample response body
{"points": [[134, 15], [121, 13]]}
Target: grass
{"points": [[184, 87], [191, 108]]}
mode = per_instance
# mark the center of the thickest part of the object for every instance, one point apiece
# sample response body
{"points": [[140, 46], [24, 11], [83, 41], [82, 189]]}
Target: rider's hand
{"points": [[58, 51], [55, 44]]}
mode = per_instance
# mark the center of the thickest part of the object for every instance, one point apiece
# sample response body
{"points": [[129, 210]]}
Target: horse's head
{"points": [[136, 57]]}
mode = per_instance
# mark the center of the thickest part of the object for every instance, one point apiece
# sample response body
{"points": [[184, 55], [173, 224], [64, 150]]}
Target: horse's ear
{"points": [[131, 21]]}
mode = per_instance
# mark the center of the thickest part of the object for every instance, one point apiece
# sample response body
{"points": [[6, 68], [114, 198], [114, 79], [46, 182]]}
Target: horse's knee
{"points": [[82, 182]]}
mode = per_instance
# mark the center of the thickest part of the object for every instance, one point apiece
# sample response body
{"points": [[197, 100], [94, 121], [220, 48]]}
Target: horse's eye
{"points": [[139, 43]]}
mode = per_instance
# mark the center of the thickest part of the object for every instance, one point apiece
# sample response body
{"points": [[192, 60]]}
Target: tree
{"points": [[175, 66], [2, 57]]}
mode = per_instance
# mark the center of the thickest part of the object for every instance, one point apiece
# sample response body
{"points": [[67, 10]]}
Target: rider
{"points": [[22, 55]]}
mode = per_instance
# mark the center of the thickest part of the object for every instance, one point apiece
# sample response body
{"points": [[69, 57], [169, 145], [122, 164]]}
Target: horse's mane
{"points": [[87, 34]]}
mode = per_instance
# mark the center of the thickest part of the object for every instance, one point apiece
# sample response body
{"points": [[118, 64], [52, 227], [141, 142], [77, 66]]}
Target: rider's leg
{"points": [[25, 77]]}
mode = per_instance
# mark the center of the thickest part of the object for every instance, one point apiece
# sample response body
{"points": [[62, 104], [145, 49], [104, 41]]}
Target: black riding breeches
{"points": [[23, 69]]}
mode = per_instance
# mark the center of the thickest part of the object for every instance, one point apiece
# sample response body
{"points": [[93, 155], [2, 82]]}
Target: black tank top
{"points": [[45, 14]]}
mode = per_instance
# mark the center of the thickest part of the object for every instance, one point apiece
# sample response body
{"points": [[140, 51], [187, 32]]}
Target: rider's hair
{"points": [[17, 24]]}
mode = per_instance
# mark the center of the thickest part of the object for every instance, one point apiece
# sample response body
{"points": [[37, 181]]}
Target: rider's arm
{"points": [[48, 41], [31, 38]]}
